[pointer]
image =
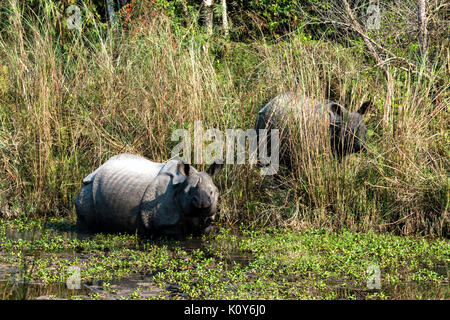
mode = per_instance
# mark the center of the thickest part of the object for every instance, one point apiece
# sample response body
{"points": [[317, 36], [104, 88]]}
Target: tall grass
{"points": [[70, 99]]}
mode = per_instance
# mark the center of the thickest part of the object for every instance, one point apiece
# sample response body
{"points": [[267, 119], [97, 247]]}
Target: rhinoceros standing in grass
{"points": [[131, 194], [347, 130]]}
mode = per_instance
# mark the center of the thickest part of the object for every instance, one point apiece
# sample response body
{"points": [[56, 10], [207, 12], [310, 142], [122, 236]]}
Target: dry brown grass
{"points": [[67, 104]]}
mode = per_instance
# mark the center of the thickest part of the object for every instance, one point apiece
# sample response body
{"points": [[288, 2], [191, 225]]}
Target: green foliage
{"points": [[71, 99], [250, 264]]}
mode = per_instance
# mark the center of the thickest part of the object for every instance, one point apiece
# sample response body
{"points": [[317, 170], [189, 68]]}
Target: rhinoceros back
{"points": [[118, 187], [290, 105]]}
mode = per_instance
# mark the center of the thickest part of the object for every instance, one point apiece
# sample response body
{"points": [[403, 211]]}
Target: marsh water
{"points": [[13, 286]]}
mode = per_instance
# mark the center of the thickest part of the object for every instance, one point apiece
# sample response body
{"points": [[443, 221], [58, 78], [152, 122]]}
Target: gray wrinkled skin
{"points": [[347, 129], [131, 194]]}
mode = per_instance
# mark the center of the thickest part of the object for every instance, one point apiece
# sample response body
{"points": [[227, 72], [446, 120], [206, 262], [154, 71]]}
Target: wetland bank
{"points": [[71, 99], [35, 257]]}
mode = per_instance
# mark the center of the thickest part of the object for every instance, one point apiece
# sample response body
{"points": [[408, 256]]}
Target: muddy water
{"points": [[13, 287], [402, 291], [19, 290]]}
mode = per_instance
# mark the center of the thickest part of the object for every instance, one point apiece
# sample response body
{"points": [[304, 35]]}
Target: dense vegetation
{"points": [[69, 99], [263, 264]]}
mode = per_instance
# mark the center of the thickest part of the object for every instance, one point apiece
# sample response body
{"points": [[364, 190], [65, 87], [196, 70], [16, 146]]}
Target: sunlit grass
{"points": [[70, 100]]}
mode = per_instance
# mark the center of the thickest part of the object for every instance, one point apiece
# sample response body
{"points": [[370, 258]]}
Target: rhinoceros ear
{"points": [[363, 109], [215, 168], [183, 168], [337, 109]]}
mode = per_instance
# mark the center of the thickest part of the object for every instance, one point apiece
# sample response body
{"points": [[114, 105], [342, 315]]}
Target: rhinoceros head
{"points": [[180, 200], [348, 130], [198, 194]]}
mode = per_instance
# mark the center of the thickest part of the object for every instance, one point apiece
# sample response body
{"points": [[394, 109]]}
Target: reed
{"points": [[71, 99]]}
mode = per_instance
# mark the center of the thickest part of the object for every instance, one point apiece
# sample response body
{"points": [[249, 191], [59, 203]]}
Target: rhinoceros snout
{"points": [[202, 200], [202, 208], [196, 202]]}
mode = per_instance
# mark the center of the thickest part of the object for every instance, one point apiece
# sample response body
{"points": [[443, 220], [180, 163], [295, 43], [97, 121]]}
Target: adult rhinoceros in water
{"points": [[347, 130], [131, 194]]}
